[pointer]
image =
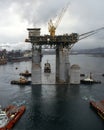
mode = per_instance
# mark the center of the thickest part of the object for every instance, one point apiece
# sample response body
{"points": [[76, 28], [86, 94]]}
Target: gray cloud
{"points": [[81, 16], [34, 11]]}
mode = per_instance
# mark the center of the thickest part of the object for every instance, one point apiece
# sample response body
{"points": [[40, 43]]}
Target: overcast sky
{"points": [[81, 16]]}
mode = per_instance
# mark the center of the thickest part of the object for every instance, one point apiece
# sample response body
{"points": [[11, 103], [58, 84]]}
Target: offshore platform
{"points": [[62, 44]]}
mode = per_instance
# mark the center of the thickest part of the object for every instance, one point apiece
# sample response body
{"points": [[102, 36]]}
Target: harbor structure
{"points": [[3, 57], [62, 43], [36, 56], [75, 74]]}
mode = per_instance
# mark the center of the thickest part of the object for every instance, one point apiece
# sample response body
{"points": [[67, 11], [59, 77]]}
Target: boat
{"points": [[103, 75], [26, 74], [21, 81], [47, 67], [82, 75], [89, 80], [10, 115], [98, 107]]}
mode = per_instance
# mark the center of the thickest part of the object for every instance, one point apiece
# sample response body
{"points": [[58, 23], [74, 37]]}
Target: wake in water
{"points": [[88, 98], [19, 103]]}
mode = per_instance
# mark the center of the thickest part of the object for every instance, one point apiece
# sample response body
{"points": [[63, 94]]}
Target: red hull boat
{"points": [[9, 116], [98, 107]]}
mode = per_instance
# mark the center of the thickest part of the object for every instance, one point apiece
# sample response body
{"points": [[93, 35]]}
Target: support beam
{"points": [[36, 65], [36, 57], [67, 65], [62, 65], [57, 63]]}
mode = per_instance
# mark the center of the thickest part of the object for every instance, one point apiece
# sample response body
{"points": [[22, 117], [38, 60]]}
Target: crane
{"points": [[52, 27]]}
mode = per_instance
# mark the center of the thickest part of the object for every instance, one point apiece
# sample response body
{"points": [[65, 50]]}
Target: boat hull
{"points": [[25, 74], [89, 82], [17, 116], [20, 83], [98, 107]]}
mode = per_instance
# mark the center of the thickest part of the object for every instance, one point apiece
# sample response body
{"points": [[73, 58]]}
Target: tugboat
{"points": [[26, 74], [47, 68], [103, 75], [82, 75], [98, 107], [89, 80], [21, 81], [10, 115]]}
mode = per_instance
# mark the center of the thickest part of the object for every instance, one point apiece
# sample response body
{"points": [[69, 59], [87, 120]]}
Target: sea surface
{"points": [[55, 107]]}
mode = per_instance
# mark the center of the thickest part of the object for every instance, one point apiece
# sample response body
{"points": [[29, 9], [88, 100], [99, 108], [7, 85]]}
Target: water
{"points": [[55, 107]]}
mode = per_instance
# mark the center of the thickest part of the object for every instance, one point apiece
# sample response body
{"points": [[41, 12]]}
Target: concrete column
{"points": [[67, 65], [63, 65], [36, 56], [36, 65], [57, 63]]}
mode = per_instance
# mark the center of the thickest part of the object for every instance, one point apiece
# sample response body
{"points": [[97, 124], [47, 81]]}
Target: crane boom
{"points": [[61, 15], [52, 27]]}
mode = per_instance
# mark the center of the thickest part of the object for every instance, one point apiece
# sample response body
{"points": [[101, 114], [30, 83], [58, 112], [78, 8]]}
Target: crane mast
{"points": [[52, 27]]}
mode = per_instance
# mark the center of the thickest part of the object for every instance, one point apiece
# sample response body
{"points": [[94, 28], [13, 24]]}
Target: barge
{"points": [[98, 107]]}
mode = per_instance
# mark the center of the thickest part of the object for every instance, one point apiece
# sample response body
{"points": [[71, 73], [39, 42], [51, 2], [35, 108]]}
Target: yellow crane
{"points": [[52, 27]]}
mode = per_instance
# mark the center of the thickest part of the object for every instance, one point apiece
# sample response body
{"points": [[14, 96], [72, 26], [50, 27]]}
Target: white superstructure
{"points": [[3, 118]]}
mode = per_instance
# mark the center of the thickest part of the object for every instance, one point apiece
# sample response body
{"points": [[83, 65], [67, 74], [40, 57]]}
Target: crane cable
{"points": [[85, 35]]}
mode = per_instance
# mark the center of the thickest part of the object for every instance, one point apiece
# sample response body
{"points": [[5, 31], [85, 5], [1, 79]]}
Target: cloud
{"points": [[80, 17]]}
